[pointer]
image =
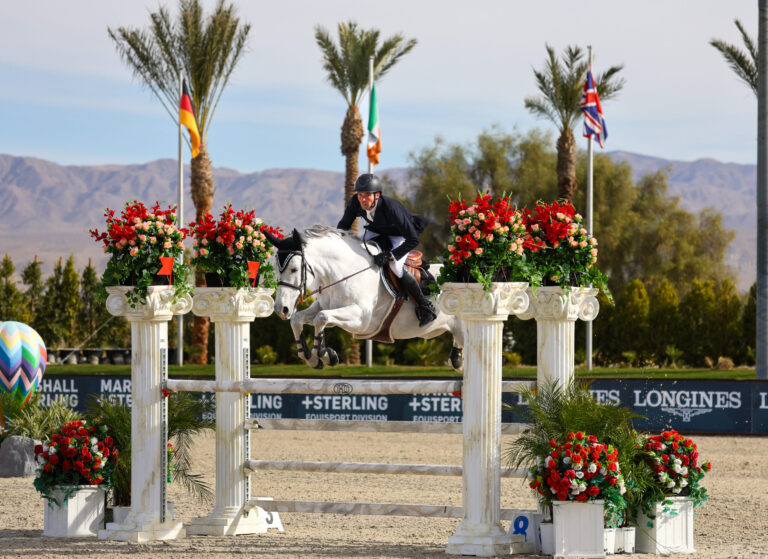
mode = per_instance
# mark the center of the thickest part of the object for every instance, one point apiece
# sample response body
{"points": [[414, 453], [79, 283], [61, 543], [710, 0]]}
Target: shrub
{"points": [[37, 421], [266, 355]]}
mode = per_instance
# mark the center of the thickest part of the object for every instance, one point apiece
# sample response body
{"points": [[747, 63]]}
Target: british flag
{"points": [[594, 122]]}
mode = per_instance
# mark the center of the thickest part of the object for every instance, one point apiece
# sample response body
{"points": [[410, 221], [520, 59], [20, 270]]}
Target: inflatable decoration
{"points": [[22, 360]]}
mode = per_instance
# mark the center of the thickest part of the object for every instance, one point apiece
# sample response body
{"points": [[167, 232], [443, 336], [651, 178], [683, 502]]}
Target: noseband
{"points": [[302, 287]]}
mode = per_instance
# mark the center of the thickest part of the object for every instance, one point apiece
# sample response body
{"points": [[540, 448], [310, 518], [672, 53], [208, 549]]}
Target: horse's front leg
{"points": [[347, 318], [298, 320]]}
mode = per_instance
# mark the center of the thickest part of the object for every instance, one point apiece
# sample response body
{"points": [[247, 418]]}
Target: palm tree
{"points": [[744, 64], [347, 67], [206, 49], [560, 84]]}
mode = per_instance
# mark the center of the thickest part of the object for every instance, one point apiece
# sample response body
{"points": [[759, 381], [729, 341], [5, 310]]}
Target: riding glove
{"points": [[381, 259]]}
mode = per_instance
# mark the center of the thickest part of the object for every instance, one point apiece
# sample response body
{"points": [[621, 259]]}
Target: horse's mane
{"points": [[320, 231]]}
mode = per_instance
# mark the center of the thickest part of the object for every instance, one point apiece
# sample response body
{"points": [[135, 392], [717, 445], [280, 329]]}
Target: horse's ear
{"points": [[272, 239], [298, 239]]}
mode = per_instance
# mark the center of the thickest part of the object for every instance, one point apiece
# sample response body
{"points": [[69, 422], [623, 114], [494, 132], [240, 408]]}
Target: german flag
{"points": [[187, 118]]}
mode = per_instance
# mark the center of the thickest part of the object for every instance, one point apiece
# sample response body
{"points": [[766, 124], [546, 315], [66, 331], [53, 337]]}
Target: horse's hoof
{"points": [[333, 357], [319, 365], [457, 358]]}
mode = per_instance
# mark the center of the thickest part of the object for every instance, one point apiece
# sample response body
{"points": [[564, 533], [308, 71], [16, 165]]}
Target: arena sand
{"points": [[733, 523]]}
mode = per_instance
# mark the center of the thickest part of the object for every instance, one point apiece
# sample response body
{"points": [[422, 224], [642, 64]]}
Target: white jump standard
{"points": [[148, 519], [232, 310]]}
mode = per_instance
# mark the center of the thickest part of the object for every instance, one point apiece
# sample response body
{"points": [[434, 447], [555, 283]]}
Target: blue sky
{"points": [[65, 95]]}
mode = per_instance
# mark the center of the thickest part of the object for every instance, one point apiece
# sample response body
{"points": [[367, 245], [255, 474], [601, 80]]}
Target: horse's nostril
{"points": [[285, 310]]}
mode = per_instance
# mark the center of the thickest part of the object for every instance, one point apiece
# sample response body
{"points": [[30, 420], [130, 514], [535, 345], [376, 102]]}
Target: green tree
{"points": [[662, 319], [748, 318], [11, 301], [744, 64], [206, 49], [560, 85], [69, 302], [49, 324], [630, 325], [697, 310], [32, 277], [726, 338], [346, 65]]}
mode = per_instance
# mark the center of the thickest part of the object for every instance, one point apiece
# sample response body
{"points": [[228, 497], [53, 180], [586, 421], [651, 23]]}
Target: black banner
{"points": [[689, 406]]}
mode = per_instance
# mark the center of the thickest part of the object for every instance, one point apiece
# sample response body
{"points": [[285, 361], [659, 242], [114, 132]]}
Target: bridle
{"points": [[307, 267]]}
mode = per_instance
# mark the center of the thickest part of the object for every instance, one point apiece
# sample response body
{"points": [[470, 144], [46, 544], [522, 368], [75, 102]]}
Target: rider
{"points": [[387, 217]]}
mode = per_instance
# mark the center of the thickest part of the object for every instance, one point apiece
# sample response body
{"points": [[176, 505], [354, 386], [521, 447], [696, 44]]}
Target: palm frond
{"points": [[744, 64]]}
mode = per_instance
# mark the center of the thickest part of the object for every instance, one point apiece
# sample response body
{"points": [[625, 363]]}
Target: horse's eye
{"points": [[294, 270]]}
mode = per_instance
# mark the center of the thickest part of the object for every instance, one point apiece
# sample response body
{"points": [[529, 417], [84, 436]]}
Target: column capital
{"points": [[555, 303], [159, 304], [468, 301], [230, 304]]}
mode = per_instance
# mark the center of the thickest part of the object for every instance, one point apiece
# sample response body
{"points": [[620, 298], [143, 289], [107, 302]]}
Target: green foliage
{"points": [[266, 355], [206, 47], [35, 420], [662, 320], [347, 64], [385, 352], [512, 358], [184, 421], [425, 352], [742, 62], [552, 412], [11, 301]]}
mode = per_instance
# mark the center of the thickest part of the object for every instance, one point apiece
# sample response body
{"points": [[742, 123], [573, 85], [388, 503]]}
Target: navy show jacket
{"points": [[391, 219]]}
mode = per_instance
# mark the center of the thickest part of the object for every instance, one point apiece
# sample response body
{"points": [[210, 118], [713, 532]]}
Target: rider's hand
{"points": [[381, 259]]}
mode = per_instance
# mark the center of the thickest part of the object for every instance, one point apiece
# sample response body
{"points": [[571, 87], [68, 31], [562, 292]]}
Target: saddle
{"points": [[420, 271]]}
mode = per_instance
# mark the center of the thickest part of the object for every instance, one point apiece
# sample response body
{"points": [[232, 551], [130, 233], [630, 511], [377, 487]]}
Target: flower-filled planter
{"points": [[582, 483], [144, 245], [664, 523], [559, 249], [232, 251], [486, 242], [75, 468]]}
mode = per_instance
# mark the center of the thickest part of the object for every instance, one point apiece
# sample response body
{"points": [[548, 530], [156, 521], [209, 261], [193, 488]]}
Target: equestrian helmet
{"points": [[368, 182]]}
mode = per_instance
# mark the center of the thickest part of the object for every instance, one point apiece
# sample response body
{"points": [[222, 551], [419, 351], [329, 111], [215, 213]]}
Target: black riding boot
{"points": [[425, 310]]}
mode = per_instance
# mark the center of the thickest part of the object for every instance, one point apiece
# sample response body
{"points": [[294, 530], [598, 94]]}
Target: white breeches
{"points": [[395, 265]]}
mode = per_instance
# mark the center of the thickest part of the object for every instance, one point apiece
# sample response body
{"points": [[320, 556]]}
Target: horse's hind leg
{"points": [[457, 351]]}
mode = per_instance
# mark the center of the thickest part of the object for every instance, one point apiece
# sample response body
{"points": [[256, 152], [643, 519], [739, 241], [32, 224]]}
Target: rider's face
{"points": [[367, 199]]}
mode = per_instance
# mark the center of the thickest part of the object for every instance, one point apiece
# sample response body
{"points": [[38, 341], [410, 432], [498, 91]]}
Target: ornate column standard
{"points": [[148, 519], [480, 532], [232, 310], [556, 311]]}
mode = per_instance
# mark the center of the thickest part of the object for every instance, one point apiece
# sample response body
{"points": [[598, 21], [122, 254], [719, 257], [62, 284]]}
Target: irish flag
{"points": [[374, 132]]}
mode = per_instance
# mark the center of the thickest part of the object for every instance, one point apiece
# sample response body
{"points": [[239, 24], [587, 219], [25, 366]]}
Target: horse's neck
{"points": [[332, 259]]}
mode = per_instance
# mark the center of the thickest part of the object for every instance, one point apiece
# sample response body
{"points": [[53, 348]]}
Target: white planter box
{"points": [[609, 541], [82, 515], [625, 540], [578, 529], [670, 532]]}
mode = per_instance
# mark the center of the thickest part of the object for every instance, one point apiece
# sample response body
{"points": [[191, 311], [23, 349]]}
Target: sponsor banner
{"points": [[689, 406]]}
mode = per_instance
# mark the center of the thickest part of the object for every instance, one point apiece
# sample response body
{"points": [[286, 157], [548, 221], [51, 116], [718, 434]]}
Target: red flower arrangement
{"points": [[675, 463], [78, 454], [581, 469], [560, 249], [136, 240], [225, 246], [486, 238]]}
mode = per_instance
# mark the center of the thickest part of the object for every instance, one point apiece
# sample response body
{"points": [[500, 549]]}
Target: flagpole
{"points": [[180, 210], [589, 220], [369, 343]]}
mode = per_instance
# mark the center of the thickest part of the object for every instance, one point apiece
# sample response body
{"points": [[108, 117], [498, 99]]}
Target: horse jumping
{"points": [[338, 270]]}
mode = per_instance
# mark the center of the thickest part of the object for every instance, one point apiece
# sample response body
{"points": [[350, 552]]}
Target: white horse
{"points": [[337, 269]]}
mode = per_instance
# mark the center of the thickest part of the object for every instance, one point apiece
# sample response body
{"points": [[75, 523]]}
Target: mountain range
{"points": [[46, 209]]}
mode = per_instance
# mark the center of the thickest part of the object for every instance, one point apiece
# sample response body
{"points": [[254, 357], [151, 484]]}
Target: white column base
{"points": [[233, 523], [465, 542], [139, 533]]}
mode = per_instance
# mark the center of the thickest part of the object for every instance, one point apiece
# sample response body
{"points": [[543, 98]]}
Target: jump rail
{"points": [[368, 468], [333, 386], [285, 424]]}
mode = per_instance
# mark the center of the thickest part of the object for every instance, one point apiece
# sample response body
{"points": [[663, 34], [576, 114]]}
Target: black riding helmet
{"points": [[368, 182]]}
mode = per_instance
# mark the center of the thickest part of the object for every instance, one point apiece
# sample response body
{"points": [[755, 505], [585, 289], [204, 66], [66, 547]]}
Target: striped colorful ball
{"points": [[22, 360]]}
